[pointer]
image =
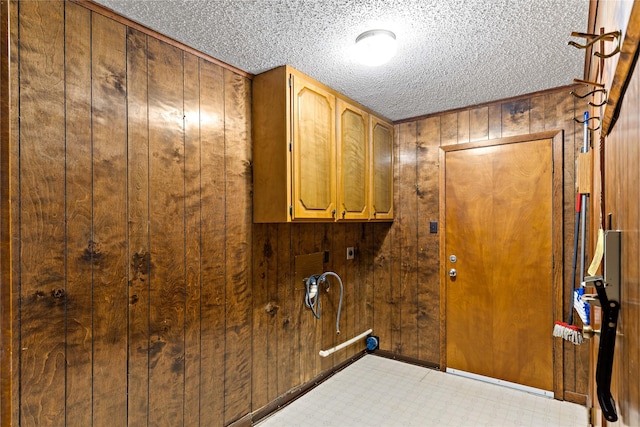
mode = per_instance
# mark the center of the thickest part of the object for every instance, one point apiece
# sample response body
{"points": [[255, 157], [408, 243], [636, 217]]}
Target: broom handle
{"points": [[583, 199]]}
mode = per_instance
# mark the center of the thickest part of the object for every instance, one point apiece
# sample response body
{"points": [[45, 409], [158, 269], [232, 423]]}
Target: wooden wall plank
{"points": [[273, 306], [407, 224], [9, 213], [288, 329], [463, 126], [536, 114], [382, 302], [260, 359], [449, 129], [237, 246], [338, 265], [559, 113], [108, 249], [166, 234], [331, 243], [79, 199], [395, 259], [138, 219], [303, 244], [495, 121], [428, 244], [479, 124], [629, 402], [42, 213], [192, 221], [515, 117], [632, 268], [212, 195]]}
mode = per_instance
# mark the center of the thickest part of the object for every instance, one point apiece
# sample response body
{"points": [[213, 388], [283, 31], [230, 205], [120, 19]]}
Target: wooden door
{"points": [[353, 162], [498, 225], [382, 170], [313, 165]]}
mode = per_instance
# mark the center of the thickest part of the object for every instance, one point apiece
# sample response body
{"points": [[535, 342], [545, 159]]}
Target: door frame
{"points": [[557, 140]]}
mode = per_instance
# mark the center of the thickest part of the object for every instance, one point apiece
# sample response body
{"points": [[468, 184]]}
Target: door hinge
{"points": [[290, 81], [290, 210], [290, 147]]}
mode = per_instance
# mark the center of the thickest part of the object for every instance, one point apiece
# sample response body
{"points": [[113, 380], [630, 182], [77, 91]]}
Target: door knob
{"points": [[453, 272]]}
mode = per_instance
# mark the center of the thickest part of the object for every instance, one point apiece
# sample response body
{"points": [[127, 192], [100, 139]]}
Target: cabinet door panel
{"points": [[353, 168], [313, 151], [382, 135]]}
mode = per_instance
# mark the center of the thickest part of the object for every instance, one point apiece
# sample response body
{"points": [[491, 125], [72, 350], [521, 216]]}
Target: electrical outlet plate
{"points": [[351, 252]]}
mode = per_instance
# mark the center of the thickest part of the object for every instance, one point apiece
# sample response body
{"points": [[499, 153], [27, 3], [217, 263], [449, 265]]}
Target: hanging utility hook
{"points": [[587, 121], [613, 36], [603, 91]]}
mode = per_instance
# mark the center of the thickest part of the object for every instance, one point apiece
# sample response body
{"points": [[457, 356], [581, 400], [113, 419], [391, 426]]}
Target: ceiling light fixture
{"points": [[375, 47]]}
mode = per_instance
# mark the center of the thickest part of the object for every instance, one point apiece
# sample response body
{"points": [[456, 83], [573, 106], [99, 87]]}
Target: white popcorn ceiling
{"points": [[451, 54]]}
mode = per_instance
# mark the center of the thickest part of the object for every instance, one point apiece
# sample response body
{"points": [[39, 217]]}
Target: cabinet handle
{"points": [[375, 213], [333, 212], [344, 213]]}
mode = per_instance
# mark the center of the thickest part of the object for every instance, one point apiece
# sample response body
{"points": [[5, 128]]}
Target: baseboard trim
{"points": [[580, 399], [411, 360]]}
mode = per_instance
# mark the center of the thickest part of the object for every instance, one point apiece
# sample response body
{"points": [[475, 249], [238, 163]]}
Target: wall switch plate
{"points": [[433, 227], [351, 252]]}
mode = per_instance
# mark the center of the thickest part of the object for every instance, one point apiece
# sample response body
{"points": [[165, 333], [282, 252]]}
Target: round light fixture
{"points": [[375, 47]]}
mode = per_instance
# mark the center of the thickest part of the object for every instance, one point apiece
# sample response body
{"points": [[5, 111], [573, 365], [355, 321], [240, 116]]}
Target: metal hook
{"points": [[587, 121], [592, 38], [601, 90]]}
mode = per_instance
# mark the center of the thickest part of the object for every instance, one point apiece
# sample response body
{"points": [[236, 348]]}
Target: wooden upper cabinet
{"points": [[382, 170], [311, 152], [314, 185], [353, 162]]}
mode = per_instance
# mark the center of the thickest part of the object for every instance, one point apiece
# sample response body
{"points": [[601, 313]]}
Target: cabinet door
{"points": [[382, 168], [313, 151], [353, 162]]}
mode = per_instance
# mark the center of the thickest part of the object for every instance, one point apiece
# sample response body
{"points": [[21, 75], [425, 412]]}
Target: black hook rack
{"points": [[588, 120], [593, 92]]}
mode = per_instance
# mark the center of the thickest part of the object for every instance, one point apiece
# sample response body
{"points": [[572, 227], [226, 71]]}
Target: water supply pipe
{"points": [[325, 353]]}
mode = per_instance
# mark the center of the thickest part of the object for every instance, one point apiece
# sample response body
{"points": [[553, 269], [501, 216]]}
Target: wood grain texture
{"points": [[42, 214], [288, 363], [14, 197], [407, 222], [449, 129], [237, 104], [428, 142], [138, 232], [262, 310], [193, 250], [7, 336], [166, 234], [495, 120], [515, 118], [464, 126], [212, 195], [79, 211], [479, 124], [108, 245]]}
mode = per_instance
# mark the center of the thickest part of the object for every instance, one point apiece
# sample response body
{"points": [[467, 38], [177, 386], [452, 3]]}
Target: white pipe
{"points": [[325, 353]]}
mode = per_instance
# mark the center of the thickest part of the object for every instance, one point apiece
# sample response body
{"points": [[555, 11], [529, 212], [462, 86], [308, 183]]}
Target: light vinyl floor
{"points": [[375, 391]]}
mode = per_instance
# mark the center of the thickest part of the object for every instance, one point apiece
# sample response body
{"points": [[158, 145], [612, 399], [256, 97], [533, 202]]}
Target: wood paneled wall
{"points": [[397, 265], [141, 290], [417, 200], [131, 218], [620, 158]]}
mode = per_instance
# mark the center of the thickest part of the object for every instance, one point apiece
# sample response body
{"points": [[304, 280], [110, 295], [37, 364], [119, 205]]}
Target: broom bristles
{"points": [[568, 332]]}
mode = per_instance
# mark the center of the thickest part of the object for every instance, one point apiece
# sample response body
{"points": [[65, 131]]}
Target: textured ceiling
{"points": [[451, 53]]}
